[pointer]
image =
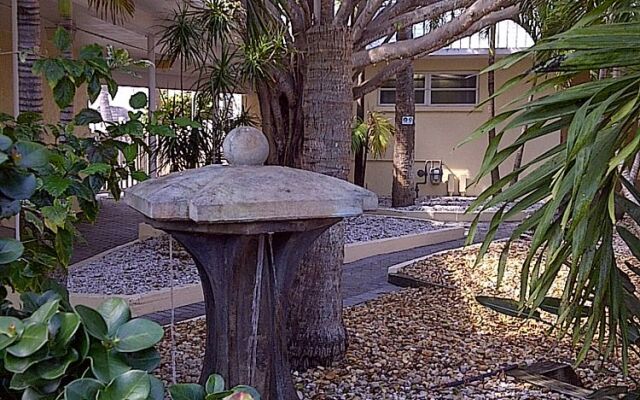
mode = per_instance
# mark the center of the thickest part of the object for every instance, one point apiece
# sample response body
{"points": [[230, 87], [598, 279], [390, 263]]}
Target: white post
{"points": [[15, 82], [153, 103]]}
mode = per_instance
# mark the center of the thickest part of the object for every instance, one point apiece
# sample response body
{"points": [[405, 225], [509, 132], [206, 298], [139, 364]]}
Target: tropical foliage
{"points": [[47, 169], [200, 38], [372, 135], [48, 349], [580, 178], [198, 139]]}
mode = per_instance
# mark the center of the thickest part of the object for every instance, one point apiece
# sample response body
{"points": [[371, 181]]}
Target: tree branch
{"points": [[369, 11], [387, 73], [344, 12], [476, 17], [393, 67], [401, 7], [377, 30]]}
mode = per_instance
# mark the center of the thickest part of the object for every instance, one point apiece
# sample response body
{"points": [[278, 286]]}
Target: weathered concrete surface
{"points": [[245, 145], [223, 194]]}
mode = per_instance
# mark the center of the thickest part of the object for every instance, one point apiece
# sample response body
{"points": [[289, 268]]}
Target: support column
{"points": [[153, 104], [16, 78]]}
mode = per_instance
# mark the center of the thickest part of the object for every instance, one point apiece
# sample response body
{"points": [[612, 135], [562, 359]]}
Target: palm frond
{"points": [[579, 179], [117, 10]]}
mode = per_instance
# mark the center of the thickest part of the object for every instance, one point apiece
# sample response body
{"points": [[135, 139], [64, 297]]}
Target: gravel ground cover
{"points": [[145, 266], [405, 345], [371, 227]]}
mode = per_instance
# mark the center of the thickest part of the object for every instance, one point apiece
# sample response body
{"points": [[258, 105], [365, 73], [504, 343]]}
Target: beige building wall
{"points": [[440, 128]]}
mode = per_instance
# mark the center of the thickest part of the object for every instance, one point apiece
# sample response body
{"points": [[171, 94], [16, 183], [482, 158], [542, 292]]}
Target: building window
{"points": [[388, 90], [454, 89], [437, 89]]}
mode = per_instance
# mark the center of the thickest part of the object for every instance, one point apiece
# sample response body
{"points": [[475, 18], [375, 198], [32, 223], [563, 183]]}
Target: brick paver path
{"points": [[117, 224]]}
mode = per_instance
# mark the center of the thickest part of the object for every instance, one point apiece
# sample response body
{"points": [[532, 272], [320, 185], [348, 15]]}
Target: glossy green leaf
{"points": [[55, 216], [130, 152], [115, 312], [132, 385], [139, 176], [138, 101], [5, 142], [64, 92], [93, 322], [187, 391], [16, 185], [10, 250], [137, 334], [215, 384], [67, 325], [97, 168], [33, 338], [44, 313], [82, 389], [56, 368], [19, 365], [29, 155], [88, 116], [62, 39], [56, 185], [106, 364], [157, 389], [144, 360]]}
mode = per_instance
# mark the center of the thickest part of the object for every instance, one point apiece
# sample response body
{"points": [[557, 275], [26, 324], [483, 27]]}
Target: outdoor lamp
{"points": [[435, 175]]}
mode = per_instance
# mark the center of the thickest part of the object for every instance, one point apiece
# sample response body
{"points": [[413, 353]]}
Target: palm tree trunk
{"points": [[517, 161], [316, 330], [65, 8], [403, 189], [491, 86], [360, 156], [29, 43]]}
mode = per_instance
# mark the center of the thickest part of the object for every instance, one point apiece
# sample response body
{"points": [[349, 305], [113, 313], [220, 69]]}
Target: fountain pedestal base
{"points": [[246, 272]]}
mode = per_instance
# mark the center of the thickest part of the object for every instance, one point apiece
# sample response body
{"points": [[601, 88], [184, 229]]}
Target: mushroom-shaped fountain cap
{"points": [[247, 191], [245, 145]]}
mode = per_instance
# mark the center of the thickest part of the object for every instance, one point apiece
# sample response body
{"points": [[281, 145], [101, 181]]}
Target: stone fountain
{"points": [[247, 227]]}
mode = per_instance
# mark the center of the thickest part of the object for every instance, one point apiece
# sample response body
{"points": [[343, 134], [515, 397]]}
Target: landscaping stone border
{"points": [[444, 216], [360, 250]]}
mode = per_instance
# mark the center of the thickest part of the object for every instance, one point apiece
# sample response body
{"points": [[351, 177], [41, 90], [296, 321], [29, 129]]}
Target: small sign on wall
{"points": [[407, 120]]}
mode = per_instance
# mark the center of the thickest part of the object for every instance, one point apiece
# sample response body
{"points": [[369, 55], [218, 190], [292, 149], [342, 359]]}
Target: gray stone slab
{"points": [[223, 194]]}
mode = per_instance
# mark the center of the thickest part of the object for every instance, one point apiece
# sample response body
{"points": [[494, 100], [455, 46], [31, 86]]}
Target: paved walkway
{"points": [[117, 224]]}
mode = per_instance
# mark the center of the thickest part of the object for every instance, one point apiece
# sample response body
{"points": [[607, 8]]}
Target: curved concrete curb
{"points": [[444, 216], [360, 250]]}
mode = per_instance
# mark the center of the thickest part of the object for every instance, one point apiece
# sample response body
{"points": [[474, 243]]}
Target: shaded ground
{"points": [[411, 343]]}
